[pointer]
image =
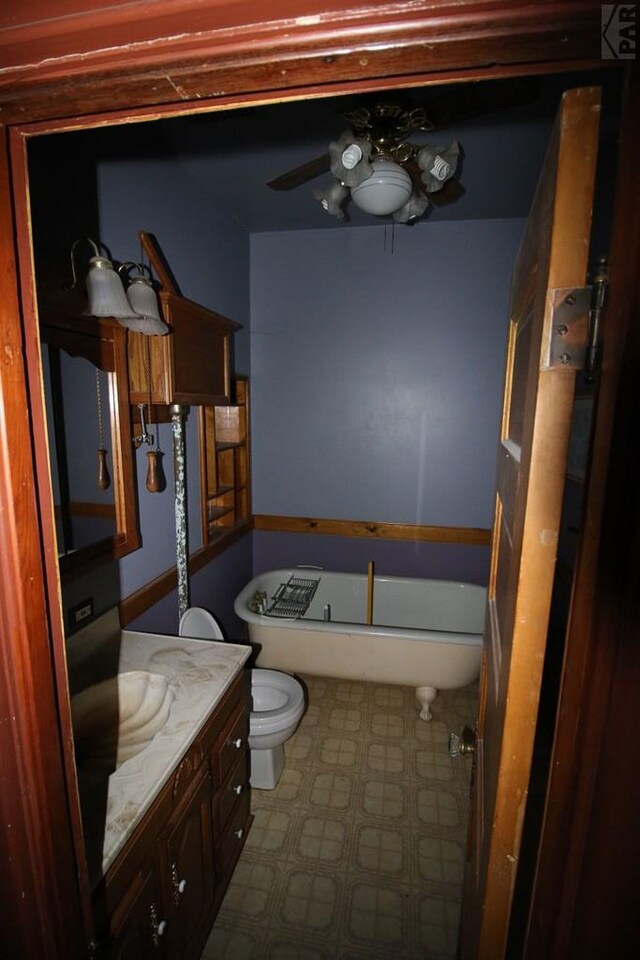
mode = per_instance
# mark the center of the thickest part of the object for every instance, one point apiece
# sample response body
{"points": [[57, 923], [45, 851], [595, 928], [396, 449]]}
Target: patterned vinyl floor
{"points": [[358, 852]]}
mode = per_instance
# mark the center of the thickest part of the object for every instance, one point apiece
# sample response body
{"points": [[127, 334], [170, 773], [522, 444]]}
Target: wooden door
{"points": [[532, 452]]}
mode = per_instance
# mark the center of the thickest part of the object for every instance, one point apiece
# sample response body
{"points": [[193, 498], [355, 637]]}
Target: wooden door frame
{"points": [[60, 69]]}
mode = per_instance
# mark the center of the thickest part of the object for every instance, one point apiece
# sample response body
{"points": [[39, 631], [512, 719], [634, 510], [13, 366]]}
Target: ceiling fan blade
{"points": [[309, 170], [451, 191], [470, 100]]}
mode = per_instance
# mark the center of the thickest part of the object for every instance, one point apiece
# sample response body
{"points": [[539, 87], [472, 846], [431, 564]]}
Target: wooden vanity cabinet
{"points": [[161, 895]]}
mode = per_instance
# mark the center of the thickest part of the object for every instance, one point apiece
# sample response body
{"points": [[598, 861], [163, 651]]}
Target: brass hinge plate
{"points": [[569, 329]]}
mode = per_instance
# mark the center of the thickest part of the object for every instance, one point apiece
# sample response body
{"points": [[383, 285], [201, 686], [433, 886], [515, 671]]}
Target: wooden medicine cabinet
{"points": [[190, 365]]}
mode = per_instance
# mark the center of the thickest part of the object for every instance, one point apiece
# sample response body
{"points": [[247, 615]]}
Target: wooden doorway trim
{"points": [[53, 69], [40, 890], [200, 55]]}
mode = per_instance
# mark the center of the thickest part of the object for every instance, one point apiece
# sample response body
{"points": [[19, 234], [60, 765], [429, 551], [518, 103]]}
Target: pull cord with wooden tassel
{"points": [[104, 480], [155, 481]]}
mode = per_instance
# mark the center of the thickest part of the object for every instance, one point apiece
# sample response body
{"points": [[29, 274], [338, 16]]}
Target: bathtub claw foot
{"points": [[425, 697]]}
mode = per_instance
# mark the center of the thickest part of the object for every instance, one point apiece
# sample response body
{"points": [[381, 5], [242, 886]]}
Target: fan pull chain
{"points": [[104, 480], [392, 238]]}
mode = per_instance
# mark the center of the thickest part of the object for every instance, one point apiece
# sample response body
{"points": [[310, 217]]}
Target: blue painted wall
{"points": [[209, 256], [376, 372], [440, 561], [214, 587]]}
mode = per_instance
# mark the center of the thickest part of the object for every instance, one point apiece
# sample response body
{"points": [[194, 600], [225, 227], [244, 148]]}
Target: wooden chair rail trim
{"points": [[475, 536]]}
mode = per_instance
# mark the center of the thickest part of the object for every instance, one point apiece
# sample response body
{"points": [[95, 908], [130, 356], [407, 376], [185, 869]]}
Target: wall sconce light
{"points": [[136, 309], [105, 292], [142, 297]]}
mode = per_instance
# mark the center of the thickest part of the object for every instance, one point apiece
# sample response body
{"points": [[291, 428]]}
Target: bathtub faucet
{"points": [[258, 602]]}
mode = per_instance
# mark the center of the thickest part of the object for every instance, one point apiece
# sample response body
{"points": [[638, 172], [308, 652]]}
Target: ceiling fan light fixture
{"points": [[386, 191], [351, 156], [332, 197], [350, 159], [438, 165], [413, 208]]}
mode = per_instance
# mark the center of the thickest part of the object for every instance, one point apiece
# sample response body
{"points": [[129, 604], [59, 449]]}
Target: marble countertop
{"points": [[198, 673]]}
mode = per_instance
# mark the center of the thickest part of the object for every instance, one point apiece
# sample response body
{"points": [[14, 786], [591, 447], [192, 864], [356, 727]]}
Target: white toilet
{"points": [[277, 704]]}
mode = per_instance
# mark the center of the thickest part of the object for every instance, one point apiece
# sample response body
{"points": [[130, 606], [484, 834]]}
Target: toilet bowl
{"points": [[277, 704]]}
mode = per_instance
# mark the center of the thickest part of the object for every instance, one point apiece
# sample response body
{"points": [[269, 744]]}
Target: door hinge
{"points": [[599, 284], [569, 329]]}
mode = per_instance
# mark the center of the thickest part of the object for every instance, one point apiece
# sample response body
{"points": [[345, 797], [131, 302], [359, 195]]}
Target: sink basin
{"points": [[116, 719]]}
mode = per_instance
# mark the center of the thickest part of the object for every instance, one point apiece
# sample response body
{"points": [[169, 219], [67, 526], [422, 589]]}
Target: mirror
{"points": [[86, 395]]}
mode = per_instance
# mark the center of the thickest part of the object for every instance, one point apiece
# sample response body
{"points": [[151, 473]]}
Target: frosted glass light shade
{"points": [[151, 326], [142, 298], [146, 319], [385, 191], [105, 291]]}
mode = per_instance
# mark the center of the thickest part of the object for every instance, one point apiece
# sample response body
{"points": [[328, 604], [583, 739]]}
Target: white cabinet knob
{"points": [[238, 789], [179, 886], [238, 743], [157, 928], [239, 833]]}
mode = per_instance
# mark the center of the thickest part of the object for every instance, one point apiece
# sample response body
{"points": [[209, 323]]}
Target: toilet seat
{"points": [[291, 700]]}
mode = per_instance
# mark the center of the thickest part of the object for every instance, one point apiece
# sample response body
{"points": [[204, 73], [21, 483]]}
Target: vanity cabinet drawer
{"points": [[234, 787], [235, 834], [233, 742]]}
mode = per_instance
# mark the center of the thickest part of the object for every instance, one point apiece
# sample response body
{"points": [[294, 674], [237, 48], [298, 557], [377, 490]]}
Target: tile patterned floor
{"points": [[358, 852]]}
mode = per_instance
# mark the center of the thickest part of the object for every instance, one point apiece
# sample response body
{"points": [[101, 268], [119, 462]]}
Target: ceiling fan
{"points": [[375, 164]]}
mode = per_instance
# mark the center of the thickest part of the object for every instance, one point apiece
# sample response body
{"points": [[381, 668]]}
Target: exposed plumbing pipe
{"points": [[178, 413]]}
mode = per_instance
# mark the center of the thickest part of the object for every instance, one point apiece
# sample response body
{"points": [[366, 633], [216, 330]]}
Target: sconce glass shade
{"points": [[146, 319], [105, 291], [385, 191], [150, 326]]}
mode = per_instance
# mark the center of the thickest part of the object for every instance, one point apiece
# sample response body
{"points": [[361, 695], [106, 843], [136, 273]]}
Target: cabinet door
{"points": [[139, 928], [190, 868]]}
